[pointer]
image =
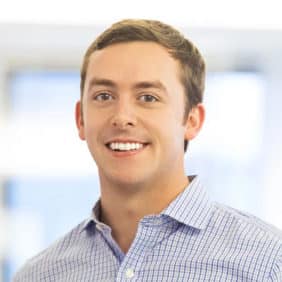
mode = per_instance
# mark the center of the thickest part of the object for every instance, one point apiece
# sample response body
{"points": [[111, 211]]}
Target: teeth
{"points": [[125, 146]]}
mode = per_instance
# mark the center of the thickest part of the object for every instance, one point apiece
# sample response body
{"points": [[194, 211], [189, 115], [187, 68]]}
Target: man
{"points": [[142, 85]]}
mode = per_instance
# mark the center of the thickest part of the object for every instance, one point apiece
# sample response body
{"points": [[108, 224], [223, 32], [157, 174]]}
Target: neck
{"points": [[123, 207]]}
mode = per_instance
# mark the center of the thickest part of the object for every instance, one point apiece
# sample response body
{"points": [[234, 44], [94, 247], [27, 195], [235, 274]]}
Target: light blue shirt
{"points": [[193, 239]]}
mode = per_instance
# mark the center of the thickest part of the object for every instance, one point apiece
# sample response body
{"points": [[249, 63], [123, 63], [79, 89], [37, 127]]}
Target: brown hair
{"points": [[192, 64]]}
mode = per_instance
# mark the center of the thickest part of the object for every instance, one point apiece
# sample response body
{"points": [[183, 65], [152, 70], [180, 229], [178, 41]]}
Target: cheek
{"points": [[92, 127], [170, 131], [177, 136]]}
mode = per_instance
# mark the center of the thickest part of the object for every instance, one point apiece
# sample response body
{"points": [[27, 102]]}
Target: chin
{"points": [[124, 180], [129, 180]]}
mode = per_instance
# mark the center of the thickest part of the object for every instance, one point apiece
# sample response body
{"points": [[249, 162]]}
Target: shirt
{"points": [[193, 239]]}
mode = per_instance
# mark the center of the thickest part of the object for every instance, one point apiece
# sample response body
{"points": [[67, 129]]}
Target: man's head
{"points": [[132, 107], [192, 66]]}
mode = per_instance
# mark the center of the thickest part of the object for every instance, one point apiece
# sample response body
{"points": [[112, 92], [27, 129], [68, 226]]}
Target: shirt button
{"points": [[129, 273]]}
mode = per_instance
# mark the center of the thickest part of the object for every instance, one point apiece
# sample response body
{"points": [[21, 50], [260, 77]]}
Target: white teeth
{"points": [[138, 146], [125, 146]]}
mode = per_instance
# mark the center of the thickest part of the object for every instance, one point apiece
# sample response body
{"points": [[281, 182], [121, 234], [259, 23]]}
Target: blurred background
{"points": [[48, 181]]}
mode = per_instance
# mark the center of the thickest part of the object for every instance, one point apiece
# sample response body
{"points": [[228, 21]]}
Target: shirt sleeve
{"points": [[276, 273]]}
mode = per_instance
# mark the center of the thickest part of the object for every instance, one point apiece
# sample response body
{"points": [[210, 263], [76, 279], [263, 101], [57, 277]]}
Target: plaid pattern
{"points": [[193, 239]]}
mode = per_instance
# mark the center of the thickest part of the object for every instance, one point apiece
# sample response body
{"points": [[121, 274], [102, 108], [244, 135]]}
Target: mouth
{"points": [[126, 146]]}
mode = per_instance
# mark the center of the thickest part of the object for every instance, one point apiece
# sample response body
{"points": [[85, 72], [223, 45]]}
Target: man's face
{"points": [[133, 108]]}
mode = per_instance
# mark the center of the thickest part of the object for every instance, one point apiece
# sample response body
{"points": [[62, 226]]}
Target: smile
{"points": [[128, 146]]}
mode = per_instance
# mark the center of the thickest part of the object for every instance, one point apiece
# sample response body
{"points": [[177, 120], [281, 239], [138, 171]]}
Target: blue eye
{"points": [[103, 97], [148, 98]]}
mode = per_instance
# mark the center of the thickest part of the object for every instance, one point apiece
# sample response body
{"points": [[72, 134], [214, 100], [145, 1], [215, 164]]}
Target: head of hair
{"points": [[192, 65]]}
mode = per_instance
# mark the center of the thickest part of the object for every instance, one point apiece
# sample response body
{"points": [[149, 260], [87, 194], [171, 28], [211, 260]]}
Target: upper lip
{"points": [[125, 140]]}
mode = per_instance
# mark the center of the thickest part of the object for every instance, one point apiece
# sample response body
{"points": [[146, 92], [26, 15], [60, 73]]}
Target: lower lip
{"points": [[122, 154]]}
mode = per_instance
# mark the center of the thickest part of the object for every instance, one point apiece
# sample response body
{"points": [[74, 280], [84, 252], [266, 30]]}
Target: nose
{"points": [[123, 115]]}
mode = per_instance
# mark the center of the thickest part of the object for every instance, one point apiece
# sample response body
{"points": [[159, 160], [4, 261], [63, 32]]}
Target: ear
{"points": [[194, 121], [79, 120]]}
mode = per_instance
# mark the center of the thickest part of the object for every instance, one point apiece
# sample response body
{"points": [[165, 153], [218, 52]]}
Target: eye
{"points": [[103, 97], [148, 98]]}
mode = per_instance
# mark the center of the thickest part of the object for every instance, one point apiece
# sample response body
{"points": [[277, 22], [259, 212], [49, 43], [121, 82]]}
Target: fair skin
{"points": [[133, 94]]}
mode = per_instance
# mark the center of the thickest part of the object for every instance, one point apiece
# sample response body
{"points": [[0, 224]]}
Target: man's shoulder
{"points": [[254, 243], [248, 234], [247, 221], [37, 267]]}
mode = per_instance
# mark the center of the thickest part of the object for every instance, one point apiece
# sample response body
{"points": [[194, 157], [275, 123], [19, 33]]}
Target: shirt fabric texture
{"points": [[193, 239]]}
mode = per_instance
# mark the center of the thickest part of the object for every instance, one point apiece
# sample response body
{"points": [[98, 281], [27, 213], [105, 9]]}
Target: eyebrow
{"points": [[139, 85], [150, 84], [101, 82]]}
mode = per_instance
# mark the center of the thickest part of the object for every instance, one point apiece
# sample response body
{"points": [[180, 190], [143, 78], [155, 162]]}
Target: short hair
{"points": [[192, 73]]}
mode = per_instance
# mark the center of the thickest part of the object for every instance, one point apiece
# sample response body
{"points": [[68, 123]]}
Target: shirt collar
{"points": [[94, 218], [192, 207]]}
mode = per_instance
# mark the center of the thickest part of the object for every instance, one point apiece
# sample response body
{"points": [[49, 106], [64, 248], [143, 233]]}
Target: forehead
{"points": [[139, 60]]}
